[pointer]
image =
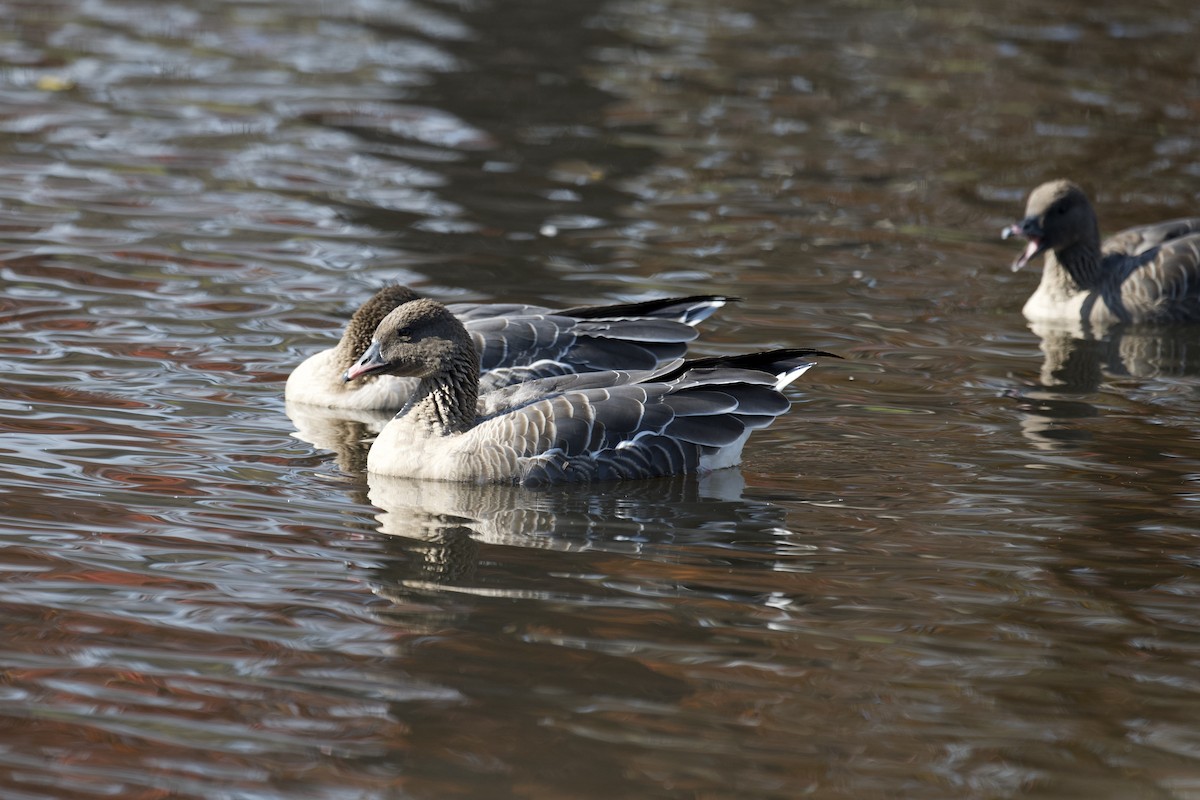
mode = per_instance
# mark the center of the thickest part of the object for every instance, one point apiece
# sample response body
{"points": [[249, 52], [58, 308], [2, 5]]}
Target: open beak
{"points": [[371, 361], [1031, 230]]}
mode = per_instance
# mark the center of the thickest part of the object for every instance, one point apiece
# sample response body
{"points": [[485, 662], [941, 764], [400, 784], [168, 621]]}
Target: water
{"points": [[964, 566]]}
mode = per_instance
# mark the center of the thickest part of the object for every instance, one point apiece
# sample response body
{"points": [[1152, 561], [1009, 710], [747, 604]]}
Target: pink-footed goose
{"points": [[1150, 273], [673, 419], [516, 343]]}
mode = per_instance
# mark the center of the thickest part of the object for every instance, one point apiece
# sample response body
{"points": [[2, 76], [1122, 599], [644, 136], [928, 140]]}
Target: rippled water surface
{"points": [[965, 566]]}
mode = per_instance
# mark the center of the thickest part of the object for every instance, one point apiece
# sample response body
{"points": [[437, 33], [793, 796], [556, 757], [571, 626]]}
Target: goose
{"points": [[1146, 274], [517, 342], [581, 427]]}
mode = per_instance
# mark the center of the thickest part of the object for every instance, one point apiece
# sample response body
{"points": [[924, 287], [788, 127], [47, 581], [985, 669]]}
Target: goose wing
{"points": [[690, 310], [532, 346], [641, 428], [578, 436], [1135, 241], [476, 311], [517, 395], [1166, 280]]}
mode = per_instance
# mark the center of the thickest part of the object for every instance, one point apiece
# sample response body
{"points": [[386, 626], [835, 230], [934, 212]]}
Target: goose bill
{"points": [[1031, 250], [371, 361]]}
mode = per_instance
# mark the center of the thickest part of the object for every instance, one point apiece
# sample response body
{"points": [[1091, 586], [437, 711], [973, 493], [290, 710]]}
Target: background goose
{"points": [[516, 343], [1149, 273], [582, 427]]}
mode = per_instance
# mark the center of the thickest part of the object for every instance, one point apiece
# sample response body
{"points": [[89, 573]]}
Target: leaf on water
{"points": [[54, 83]]}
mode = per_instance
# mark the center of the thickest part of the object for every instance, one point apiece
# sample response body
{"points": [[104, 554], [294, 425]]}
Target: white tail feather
{"points": [[789, 375]]}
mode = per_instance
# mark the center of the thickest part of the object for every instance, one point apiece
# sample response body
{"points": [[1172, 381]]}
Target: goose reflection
{"points": [[1077, 359], [442, 530], [347, 433], [487, 592]]}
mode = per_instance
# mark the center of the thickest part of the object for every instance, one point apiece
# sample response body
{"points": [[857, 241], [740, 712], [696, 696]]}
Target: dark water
{"points": [[966, 565]]}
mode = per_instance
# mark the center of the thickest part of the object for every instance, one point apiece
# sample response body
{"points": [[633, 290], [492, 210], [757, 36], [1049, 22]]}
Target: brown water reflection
{"points": [[964, 566]]}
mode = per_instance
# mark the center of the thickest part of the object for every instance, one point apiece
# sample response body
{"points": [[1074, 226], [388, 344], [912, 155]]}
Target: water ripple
{"points": [[961, 567]]}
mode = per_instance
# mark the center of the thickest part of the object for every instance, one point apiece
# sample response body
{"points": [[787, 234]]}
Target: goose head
{"points": [[419, 339], [1058, 217], [361, 327]]}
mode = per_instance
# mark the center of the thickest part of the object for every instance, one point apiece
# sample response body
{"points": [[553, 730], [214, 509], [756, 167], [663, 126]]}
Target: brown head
{"points": [[361, 328], [418, 339], [1058, 217]]}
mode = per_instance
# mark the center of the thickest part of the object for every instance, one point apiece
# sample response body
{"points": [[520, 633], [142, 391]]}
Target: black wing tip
{"points": [[761, 360], [802, 352], [645, 307]]}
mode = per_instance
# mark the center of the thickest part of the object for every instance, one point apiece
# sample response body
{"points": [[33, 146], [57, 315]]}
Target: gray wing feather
{"points": [[640, 430], [699, 402], [632, 424], [1177, 269], [520, 341], [637, 330], [480, 311], [1163, 283], [497, 380], [757, 399], [529, 347], [714, 431], [655, 456], [610, 354], [719, 376], [755, 421], [1137, 240], [688, 310], [512, 397]]}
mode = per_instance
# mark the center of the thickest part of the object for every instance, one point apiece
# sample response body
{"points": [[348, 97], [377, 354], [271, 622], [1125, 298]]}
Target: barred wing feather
{"points": [[636, 429]]}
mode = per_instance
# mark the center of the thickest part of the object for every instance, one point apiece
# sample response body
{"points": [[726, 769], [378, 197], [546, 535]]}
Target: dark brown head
{"points": [[418, 339], [361, 328], [1058, 217]]}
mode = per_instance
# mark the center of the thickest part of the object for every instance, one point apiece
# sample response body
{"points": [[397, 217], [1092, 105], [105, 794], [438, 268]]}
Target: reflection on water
{"points": [[345, 432], [964, 566], [1077, 363], [442, 526]]}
